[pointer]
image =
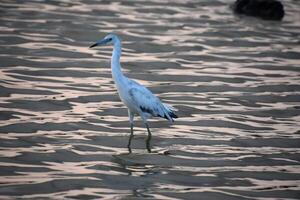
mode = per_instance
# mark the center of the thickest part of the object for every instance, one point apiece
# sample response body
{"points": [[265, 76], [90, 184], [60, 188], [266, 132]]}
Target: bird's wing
{"points": [[147, 102]]}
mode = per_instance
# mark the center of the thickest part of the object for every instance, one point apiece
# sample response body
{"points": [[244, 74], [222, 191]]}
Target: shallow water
{"points": [[235, 81]]}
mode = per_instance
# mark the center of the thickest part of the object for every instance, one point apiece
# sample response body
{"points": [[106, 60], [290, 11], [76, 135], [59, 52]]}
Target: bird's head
{"points": [[109, 39]]}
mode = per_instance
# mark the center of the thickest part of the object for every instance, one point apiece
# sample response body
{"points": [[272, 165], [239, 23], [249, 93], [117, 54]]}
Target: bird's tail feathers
{"points": [[169, 107], [170, 112]]}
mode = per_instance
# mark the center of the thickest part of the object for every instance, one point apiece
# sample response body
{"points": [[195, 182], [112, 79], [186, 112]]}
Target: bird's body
{"points": [[137, 98]]}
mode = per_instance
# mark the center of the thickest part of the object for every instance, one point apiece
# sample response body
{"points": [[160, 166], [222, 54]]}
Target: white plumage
{"points": [[138, 99]]}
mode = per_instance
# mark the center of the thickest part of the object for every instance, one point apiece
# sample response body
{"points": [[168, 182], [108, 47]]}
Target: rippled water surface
{"points": [[235, 81]]}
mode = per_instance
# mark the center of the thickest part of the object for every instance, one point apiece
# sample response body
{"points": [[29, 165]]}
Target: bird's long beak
{"points": [[100, 42]]}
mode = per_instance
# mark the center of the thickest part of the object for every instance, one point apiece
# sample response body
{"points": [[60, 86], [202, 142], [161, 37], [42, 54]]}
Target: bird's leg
{"points": [[130, 137], [148, 138], [131, 116]]}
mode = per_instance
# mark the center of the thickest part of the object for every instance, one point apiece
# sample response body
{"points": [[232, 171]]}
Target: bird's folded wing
{"points": [[146, 101]]}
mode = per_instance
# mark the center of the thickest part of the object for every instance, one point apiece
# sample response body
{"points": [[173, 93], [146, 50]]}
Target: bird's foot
{"points": [[129, 148], [149, 149]]}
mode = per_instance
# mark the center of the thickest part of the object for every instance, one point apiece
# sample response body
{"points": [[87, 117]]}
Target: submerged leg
{"points": [[148, 138], [131, 116]]}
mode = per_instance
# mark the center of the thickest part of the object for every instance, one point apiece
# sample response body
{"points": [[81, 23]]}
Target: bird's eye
{"points": [[110, 39]]}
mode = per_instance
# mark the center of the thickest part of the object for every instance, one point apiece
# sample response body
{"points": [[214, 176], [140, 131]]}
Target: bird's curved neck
{"points": [[115, 62]]}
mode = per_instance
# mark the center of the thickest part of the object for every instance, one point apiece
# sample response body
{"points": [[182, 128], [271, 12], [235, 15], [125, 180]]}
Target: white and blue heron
{"points": [[138, 99]]}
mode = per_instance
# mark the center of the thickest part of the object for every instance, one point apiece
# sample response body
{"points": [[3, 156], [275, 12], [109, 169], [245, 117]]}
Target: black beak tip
{"points": [[93, 45]]}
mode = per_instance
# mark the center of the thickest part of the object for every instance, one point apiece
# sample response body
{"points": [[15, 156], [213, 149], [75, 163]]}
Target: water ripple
{"points": [[234, 79]]}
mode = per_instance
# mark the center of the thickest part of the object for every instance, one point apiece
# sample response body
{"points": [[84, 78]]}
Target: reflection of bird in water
{"points": [[138, 99]]}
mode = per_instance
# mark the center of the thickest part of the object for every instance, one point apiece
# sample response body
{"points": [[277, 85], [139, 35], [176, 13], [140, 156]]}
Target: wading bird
{"points": [[138, 99]]}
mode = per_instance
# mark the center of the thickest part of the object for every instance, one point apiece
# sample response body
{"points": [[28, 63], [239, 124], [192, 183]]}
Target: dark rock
{"points": [[265, 9]]}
